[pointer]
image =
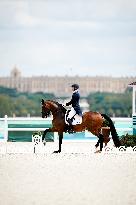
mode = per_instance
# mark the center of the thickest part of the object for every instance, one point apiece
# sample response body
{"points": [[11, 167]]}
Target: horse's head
{"points": [[53, 107], [45, 109]]}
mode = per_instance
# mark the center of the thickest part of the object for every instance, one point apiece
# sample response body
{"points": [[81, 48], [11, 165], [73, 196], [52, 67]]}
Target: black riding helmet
{"points": [[75, 86]]}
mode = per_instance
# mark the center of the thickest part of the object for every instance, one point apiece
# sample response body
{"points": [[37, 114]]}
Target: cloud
{"points": [[16, 14], [27, 13], [90, 10], [56, 35]]}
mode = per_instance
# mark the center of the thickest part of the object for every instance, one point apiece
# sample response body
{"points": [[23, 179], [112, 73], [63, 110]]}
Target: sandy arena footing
{"points": [[73, 177]]}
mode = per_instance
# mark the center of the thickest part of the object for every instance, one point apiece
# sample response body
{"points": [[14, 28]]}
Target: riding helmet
{"points": [[75, 86]]}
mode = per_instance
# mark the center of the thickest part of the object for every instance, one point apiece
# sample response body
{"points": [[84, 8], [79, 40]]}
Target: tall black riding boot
{"points": [[70, 128]]}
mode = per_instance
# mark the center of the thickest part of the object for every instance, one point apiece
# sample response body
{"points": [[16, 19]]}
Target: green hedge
{"points": [[128, 140]]}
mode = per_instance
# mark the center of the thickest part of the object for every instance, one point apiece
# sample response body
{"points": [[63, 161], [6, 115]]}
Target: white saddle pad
{"points": [[77, 119]]}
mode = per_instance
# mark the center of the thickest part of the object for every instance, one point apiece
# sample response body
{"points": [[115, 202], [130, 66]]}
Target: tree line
{"points": [[15, 103], [113, 104], [21, 104]]}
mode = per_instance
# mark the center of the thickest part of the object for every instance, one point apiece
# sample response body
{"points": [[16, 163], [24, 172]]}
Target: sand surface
{"points": [[74, 177]]}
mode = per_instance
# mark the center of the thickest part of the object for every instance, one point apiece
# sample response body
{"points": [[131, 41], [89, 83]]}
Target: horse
{"points": [[91, 121]]}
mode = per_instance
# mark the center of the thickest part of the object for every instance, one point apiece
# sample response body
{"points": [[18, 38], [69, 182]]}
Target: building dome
{"points": [[15, 73]]}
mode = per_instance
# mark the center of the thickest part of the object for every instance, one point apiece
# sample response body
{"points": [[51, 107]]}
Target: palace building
{"points": [[60, 85]]}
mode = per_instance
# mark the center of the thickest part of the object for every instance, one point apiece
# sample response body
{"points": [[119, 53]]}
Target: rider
{"points": [[75, 106]]}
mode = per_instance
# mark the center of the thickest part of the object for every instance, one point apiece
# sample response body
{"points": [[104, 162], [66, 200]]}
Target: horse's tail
{"points": [[114, 134]]}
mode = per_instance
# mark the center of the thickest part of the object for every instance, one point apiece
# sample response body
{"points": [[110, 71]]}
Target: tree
{"points": [[6, 106], [118, 104]]}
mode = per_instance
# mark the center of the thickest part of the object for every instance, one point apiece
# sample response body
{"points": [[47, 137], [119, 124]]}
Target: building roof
{"points": [[132, 84]]}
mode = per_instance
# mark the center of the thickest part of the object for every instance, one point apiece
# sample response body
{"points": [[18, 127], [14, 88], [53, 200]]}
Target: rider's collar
{"points": [[75, 91]]}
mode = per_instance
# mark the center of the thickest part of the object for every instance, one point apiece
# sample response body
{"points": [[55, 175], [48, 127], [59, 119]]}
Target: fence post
{"points": [[134, 124], [134, 101], [6, 128]]}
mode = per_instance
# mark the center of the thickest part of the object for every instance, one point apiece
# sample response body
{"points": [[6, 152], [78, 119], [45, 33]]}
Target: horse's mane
{"points": [[59, 106]]}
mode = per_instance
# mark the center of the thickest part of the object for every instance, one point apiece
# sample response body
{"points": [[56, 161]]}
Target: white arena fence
{"points": [[7, 120]]}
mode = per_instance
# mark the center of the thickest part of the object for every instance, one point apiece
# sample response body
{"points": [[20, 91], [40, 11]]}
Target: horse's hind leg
{"points": [[101, 138], [100, 141], [97, 144]]}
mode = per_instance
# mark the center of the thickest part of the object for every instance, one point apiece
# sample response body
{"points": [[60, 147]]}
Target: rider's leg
{"points": [[71, 113], [69, 119], [70, 128]]}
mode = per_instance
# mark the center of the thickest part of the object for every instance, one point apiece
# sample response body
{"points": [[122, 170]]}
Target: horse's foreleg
{"points": [[44, 134], [60, 142]]}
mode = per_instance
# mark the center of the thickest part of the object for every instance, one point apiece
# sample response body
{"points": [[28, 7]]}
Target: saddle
{"points": [[76, 119]]}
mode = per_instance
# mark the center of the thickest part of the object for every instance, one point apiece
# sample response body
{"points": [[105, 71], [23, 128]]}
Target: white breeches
{"points": [[72, 113]]}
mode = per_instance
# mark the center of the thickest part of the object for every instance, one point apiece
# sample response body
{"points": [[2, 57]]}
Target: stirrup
{"points": [[70, 131]]}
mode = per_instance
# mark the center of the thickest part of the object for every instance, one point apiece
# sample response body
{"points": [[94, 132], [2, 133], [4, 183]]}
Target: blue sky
{"points": [[73, 37]]}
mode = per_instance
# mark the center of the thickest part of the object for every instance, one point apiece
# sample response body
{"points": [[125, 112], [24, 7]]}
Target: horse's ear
{"points": [[42, 101]]}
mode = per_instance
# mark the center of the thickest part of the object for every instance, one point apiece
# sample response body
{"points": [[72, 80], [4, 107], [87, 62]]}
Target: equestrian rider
{"points": [[75, 106]]}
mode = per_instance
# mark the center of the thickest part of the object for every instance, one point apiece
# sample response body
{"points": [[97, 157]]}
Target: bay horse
{"points": [[91, 121]]}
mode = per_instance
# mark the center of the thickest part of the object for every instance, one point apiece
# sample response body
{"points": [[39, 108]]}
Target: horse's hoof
{"points": [[98, 151], [55, 152], [44, 143]]}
